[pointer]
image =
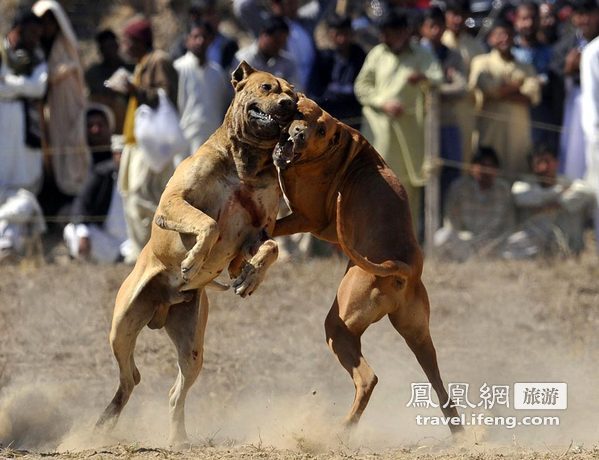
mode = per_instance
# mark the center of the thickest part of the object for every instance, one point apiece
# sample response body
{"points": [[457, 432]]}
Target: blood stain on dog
{"points": [[245, 200]]}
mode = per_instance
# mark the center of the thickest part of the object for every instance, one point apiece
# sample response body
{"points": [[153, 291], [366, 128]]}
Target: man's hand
{"points": [[416, 78], [85, 247], [572, 64], [393, 108], [130, 86], [508, 89]]}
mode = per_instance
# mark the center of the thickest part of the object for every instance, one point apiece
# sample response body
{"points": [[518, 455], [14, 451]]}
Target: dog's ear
{"points": [[241, 73], [336, 138]]}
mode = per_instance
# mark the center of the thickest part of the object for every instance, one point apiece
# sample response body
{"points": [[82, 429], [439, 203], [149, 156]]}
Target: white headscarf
{"points": [[66, 104], [43, 6]]}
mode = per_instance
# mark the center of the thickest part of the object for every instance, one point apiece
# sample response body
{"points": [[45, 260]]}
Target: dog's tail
{"points": [[386, 268]]}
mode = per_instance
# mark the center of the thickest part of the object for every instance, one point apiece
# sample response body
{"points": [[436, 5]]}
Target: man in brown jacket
{"points": [[139, 183]]}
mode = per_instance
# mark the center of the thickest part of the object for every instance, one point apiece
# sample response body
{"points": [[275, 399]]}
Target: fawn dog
{"points": [[216, 212]]}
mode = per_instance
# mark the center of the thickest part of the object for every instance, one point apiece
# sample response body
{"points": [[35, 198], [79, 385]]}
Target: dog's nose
{"points": [[287, 103], [298, 133]]}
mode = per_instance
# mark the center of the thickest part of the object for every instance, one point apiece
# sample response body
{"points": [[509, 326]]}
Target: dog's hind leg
{"points": [[185, 325], [347, 320], [412, 322], [127, 322]]}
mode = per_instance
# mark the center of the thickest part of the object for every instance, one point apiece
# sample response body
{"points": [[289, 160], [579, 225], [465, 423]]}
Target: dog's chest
{"points": [[247, 209]]}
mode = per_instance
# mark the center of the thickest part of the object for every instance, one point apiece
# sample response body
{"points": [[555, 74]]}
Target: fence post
{"points": [[432, 132]]}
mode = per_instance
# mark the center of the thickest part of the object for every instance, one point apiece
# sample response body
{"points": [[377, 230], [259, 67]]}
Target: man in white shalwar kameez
{"points": [[391, 87], [509, 89], [23, 79], [204, 92], [589, 78]]}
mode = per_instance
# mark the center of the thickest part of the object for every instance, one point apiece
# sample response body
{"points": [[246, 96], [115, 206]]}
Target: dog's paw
{"points": [[191, 266], [247, 282]]}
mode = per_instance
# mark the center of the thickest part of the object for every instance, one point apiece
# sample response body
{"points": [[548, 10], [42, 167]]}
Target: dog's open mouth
{"points": [[261, 117], [267, 121], [284, 153]]}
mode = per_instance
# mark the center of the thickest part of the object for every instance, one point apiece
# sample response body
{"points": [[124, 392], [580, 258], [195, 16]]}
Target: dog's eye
{"points": [[321, 131], [266, 86]]}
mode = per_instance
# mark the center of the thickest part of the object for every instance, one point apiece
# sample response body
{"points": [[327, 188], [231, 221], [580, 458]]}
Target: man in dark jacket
{"points": [[331, 82]]}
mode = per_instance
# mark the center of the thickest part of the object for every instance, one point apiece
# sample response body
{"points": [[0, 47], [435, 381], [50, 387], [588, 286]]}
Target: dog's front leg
{"points": [[263, 253], [180, 216], [290, 225]]}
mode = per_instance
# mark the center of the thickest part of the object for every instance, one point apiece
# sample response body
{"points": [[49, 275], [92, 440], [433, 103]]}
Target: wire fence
{"points": [[422, 177]]}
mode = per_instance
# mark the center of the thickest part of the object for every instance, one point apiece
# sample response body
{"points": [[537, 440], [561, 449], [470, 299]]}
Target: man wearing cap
{"points": [[140, 186]]}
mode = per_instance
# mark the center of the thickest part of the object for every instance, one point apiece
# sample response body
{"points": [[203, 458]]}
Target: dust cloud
{"points": [[269, 378]]}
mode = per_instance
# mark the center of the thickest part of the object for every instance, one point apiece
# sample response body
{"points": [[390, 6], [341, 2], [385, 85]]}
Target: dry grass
{"points": [[270, 387]]}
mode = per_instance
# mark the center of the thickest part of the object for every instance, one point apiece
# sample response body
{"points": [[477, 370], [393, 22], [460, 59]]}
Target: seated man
{"points": [[100, 127], [21, 223], [478, 210], [99, 231], [551, 210]]}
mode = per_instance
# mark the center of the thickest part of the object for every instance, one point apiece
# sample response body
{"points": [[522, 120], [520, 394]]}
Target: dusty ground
{"points": [[270, 388]]}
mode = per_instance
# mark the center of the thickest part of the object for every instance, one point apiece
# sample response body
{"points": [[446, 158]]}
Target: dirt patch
{"points": [[271, 388]]}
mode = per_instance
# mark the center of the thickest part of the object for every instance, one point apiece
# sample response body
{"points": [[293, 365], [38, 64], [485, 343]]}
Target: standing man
{"points": [[391, 88], [139, 184], [98, 73], [267, 52], [509, 89], [67, 157], [23, 80], [331, 83], [204, 93], [589, 73], [457, 38], [452, 91], [529, 50], [566, 65], [222, 49], [301, 21]]}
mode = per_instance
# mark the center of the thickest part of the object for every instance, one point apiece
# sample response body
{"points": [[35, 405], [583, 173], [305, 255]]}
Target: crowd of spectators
{"points": [[518, 114]]}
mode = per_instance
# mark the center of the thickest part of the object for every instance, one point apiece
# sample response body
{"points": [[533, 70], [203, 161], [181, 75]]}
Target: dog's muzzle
{"points": [[262, 118], [284, 153]]}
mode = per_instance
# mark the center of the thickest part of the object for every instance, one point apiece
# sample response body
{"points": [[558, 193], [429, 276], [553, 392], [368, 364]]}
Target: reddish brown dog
{"points": [[340, 189]]}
